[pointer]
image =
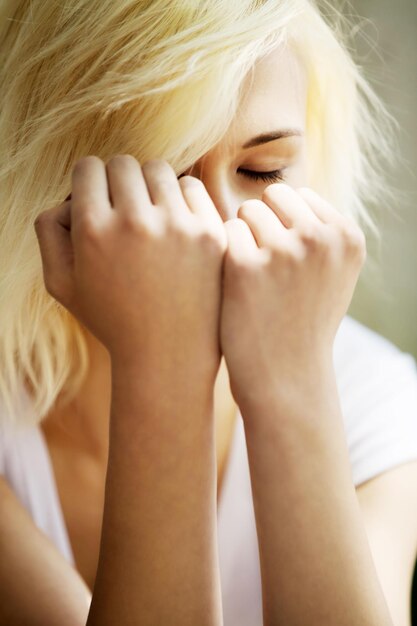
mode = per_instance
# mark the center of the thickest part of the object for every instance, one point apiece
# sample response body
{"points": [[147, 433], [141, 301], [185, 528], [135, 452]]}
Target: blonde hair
{"points": [[150, 78]]}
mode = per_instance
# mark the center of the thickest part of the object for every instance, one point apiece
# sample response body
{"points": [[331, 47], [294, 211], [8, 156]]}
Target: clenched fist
{"points": [[290, 271], [136, 255]]}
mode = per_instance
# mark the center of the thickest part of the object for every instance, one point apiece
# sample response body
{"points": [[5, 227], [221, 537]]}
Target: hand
{"points": [[289, 274], [136, 255]]}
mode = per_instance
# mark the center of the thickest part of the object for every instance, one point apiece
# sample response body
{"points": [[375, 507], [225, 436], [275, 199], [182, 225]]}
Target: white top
{"points": [[377, 386]]}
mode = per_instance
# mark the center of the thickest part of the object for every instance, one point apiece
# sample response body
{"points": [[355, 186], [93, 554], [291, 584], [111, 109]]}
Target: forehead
{"points": [[273, 95]]}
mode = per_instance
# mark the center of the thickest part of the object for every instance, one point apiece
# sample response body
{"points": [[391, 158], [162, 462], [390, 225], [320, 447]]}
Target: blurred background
{"points": [[386, 297]]}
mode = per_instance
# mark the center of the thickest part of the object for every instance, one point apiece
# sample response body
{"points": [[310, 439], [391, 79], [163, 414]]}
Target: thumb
{"points": [[52, 228]]}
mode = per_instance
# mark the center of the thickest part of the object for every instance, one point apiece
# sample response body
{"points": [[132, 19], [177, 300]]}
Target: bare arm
{"points": [[38, 587], [158, 559], [290, 271], [136, 256], [316, 562]]}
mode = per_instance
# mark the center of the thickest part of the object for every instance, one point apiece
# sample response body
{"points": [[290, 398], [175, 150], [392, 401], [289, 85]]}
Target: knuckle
{"points": [[131, 222], [52, 286], [353, 238], [248, 207], [166, 184], [122, 159], [155, 165], [178, 227], [84, 161], [191, 181], [360, 241], [272, 189], [211, 243], [243, 269], [88, 227], [140, 227], [312, 238], [360, 247], [40, 219], [290, 252], [290, 256], [267, 193], [55, 288], [247, 204]]}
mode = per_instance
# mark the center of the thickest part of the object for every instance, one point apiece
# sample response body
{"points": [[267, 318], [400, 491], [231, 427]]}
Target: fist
{"points": [[136, 255], [290, 271]]}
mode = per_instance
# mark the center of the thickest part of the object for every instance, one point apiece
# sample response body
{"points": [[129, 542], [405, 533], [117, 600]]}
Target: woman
{"points": [[178, 262]]}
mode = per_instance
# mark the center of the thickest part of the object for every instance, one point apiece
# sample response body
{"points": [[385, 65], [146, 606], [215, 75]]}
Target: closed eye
{"points": [[268, 177]]}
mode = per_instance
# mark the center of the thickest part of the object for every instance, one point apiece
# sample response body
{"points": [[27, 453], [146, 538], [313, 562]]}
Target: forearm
{"points": [[316, 563], [158, 559]]}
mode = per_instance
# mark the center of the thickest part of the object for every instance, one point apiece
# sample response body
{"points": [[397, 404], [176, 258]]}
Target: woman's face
{"points": [[274, 103]]}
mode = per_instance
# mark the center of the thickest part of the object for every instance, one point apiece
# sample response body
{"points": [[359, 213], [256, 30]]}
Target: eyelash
{"points": [[267, 177]]}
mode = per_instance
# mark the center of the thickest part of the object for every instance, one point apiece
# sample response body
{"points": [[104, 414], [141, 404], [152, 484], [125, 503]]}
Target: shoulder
{"points": [[377, 384], [357, 346], [366, 363]]}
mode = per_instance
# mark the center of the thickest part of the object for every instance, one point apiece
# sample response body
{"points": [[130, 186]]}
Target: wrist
{"points": [[178, 395], [290, 389], [158, 370]]}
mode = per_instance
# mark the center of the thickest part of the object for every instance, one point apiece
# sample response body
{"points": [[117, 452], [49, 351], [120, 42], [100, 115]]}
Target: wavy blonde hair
{"points": [[149, 78]]}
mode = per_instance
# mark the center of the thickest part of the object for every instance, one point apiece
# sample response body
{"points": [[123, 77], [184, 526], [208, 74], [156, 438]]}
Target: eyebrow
{"points": [[272, 136]]}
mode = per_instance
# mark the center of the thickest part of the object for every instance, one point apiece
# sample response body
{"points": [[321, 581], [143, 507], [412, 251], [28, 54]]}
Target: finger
{"points": [[267, 228], [198, 199], [288, 205], [128, 186], [64, 214], [90, 191], [54, 238], [163, 187], [240, 242], [321, 207]]}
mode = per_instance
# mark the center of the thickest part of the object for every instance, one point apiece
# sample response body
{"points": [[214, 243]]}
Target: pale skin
{"points": [[278, 245]]}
